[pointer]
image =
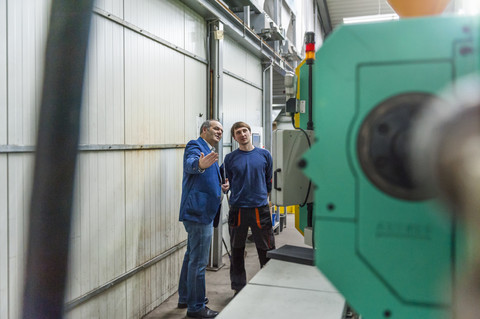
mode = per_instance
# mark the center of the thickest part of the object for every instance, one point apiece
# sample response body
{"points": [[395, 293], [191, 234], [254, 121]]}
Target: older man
{"points": [[201, 198]]}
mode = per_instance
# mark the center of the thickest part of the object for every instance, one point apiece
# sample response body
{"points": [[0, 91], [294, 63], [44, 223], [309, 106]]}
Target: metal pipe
{"points": [[267, 106], [216, 58], [246, 15], [57, 142]]}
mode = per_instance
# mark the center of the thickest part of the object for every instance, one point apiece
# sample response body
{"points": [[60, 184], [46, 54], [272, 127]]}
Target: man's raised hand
{"points": [[206, 161]]}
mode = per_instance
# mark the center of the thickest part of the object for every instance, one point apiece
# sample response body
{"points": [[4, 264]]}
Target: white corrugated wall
{"points": [[137, 92], [3, 165], [242, 100], [140, 92], [23, 23]]}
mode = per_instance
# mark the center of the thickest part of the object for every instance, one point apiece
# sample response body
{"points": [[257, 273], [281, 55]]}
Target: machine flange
{"points": [[382, 145]]}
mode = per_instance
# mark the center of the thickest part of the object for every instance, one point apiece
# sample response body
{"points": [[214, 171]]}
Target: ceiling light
{"points": [[470, 7], [372, 18]]}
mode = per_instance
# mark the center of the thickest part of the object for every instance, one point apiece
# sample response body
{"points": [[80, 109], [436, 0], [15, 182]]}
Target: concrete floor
{"points": [[218, 282]]}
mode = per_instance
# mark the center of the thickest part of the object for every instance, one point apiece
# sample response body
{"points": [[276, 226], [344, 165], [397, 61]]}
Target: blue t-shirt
{"points": [[250, 177]]}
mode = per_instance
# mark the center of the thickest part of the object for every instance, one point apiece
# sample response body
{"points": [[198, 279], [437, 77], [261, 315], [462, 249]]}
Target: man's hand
{"points": [[226, 186], [206, 161]]}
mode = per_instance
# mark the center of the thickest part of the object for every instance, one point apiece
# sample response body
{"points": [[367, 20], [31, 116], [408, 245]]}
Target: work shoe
{"points": [[182, 305], [204, 313]]}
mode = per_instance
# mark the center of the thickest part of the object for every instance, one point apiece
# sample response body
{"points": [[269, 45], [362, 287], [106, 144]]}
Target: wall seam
{"points": [[7, 157], [147, 34]]}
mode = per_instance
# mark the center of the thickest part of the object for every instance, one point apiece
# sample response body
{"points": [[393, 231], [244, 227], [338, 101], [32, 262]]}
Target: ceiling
{"points": [[339, 9], [336, 10]]}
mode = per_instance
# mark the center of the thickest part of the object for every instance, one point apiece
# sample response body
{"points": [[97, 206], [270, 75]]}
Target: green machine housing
{"points": [[386, 246]]}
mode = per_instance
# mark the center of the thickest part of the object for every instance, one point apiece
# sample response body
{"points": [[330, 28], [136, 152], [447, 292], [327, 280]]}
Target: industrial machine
{"points": [[380, 235]]}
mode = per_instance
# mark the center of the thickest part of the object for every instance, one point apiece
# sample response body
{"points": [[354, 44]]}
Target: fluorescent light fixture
{"points": [[372, 18], [470, 7]]}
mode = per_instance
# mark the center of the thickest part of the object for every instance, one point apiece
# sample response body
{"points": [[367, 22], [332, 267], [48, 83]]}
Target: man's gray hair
{"points": [[206, 125]]}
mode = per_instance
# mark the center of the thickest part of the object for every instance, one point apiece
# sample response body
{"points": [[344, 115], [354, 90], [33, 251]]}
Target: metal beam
{"points": [[95, 147], [326, 23]]}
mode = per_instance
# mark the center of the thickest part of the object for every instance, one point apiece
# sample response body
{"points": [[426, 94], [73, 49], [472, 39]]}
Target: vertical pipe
{"points": [[277, 13], [246, 15], [57, 142], [216, 49], [267, 105]]}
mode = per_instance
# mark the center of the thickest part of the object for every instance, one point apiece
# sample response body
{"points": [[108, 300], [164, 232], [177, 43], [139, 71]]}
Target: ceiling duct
{"points": [[237, 5]]}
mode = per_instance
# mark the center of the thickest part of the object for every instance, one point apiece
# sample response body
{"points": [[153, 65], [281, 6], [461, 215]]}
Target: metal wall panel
{"points": [[109, 305], [103, 96], [234, 57], [195, 34], [154, 92], [4, 237], [27, 31], [20, 168], [253, 69], [137, 91], [115, 7], [3, 74], [253, 106], [22, 44], [98, 232], [4, 249], [153, 180], [158, 95], [169, 20], [234, 104], [241, 102], [195, 96]]}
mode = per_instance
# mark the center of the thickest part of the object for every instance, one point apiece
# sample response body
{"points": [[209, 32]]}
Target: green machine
{"points": [[381, 240]]}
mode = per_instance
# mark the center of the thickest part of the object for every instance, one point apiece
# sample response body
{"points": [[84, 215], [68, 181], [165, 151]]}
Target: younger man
{"points": [[249, 171]]}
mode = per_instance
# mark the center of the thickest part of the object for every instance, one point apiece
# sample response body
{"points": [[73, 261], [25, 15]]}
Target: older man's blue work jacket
{"points": [[201, 192]]}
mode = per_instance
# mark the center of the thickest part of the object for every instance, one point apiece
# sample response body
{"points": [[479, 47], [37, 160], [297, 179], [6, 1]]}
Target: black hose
{"points": [[310, 98], [56, 152], [309, 146]]}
